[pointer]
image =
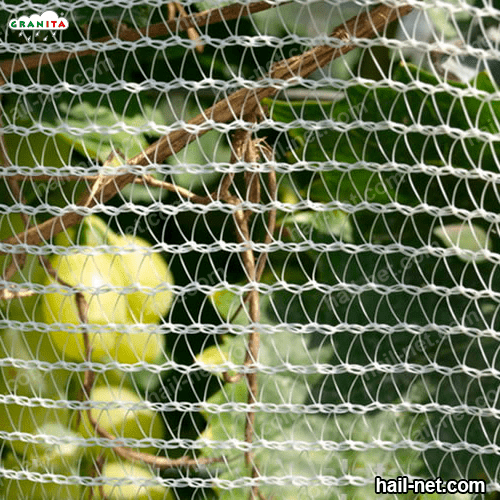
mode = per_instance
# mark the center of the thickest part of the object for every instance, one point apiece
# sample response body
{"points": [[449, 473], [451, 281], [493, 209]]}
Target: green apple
{"points": [[103, 308], [139, 345], [145, 270], [45, 458], [16, 417], [138, 423], [59, 456], [211, 357], [116, 473], [30, 381], [118, 307], [27, 383]]}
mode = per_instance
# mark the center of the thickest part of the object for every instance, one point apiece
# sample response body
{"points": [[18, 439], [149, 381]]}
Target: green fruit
{"points": [[30, 383], [145, 270], [140, 345], [135, 308], [37, 148], [30, 420], [103, 308], [136, 268], [137, 423], [118, 472], [49, 459], [211, 357], [56, 457]]}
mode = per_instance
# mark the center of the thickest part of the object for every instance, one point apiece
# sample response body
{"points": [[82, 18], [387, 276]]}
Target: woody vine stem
{"points": [[244, 103]]}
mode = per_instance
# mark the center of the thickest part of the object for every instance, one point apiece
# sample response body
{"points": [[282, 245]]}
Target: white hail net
{"points": [[281, 297]]}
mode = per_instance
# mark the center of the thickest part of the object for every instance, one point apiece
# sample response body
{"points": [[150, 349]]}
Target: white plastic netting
{"points": [[249, 250]]}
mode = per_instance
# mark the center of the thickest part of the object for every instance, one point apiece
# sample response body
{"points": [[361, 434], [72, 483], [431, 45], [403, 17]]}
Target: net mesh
{"points": [[249, 250]]}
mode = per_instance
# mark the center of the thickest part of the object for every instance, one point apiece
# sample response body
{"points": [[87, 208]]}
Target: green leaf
{"points": [[286, 387], [149, 382], [333, 223], [142, 194], [206, 150], [443, 22], [355, 186], [212, 356], [372, 297], [211, 4], [356, 152], [37, 149], [99, 144], [465, 237], [227, 303], [288, 111]]}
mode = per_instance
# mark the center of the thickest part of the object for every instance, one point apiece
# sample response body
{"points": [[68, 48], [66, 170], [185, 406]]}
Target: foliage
{"points": [[394, 152]]}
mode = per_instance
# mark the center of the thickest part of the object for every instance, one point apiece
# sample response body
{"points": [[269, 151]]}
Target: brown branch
{"points": [[239, 149], [271, 223], [244, 148], [363, 25], [97, 467], [185, 193], [244, 102], [253, 346], [20, 294], [162, 463], [48, 229], [191, 31], [211, 16], [261, 262]]}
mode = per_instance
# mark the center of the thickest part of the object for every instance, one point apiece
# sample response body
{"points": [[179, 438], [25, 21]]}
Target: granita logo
{"points": [[47, 21]]}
